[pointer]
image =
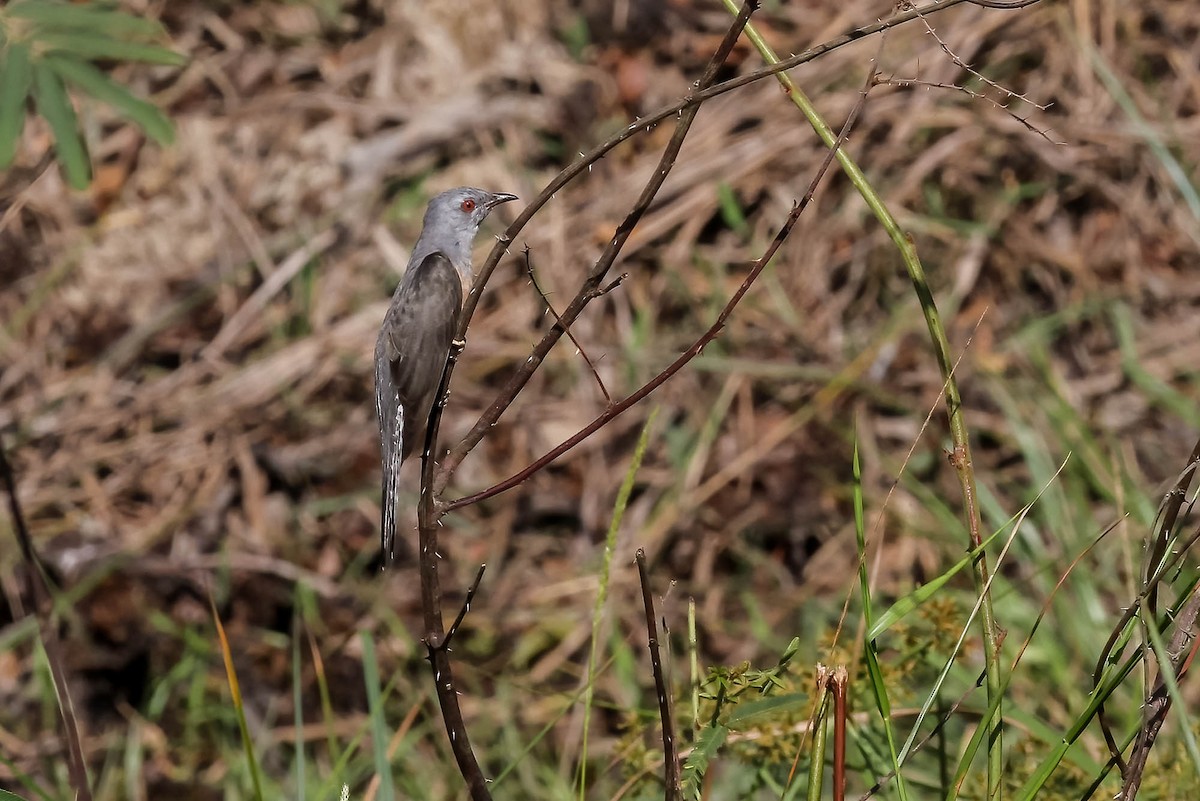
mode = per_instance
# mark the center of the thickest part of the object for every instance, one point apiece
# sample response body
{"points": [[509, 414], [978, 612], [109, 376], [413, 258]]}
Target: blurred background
{"points": [[186, 390]]}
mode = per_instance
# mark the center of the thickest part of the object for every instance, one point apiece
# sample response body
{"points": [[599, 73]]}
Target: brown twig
{"points": [[904, 83], [958, 62], [1166, 521], [708, 336], [466, 607], [550, 308], [1003, 5], [43, 600], [1009, 94], [1129, 613], [1158, 703], [595, 278], [670, 751], [687, 104]]}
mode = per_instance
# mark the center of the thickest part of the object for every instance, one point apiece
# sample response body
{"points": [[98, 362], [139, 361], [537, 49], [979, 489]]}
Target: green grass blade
{"points": [[15, 75], [1178, 173], [91, 80], [89, 45], [911, 602], [379, 734], [874, 673], [236, 692], [994, 698], [298, 704], [610, 544], [996, 694], [52, 15], [26, 781], [694, 665], [1108, 685], [55, 106], [546, 729], [1131, 362], [133, 760], [816, 762]]}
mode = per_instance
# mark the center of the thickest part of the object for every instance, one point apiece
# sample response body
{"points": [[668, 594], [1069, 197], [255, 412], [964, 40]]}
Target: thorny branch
{"points": [[466, 607], [756, 269], [431, 604], [670, 750], [1182, 650], [687, 114], [1007, 93], [688, 103], [550, 308], [434, 479], [958, 62], [1157, 566], [429, 516], [905, 83]]}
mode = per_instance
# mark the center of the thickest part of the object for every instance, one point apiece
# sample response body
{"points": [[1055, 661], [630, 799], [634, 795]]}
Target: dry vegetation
{"points": [[185, 350]]}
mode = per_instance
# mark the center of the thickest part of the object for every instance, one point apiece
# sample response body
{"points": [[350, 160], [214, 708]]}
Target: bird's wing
{"points": [[409, 358]]}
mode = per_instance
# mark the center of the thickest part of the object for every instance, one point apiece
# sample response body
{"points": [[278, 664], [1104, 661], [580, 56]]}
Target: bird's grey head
{"points": [[452, 220]]}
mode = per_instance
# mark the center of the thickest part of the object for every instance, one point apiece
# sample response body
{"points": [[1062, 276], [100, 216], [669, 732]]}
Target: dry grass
{"points": [[170, 436]]}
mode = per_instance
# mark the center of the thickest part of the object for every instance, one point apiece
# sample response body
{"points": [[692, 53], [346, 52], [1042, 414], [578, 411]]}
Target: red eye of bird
{"points": [[468, 205]]}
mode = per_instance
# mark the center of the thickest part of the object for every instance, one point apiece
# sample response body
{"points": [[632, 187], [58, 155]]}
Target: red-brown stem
{"points": [[837, 683]]}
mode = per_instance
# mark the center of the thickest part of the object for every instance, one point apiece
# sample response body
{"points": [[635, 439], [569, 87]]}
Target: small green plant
{"points": [[47, 46]]}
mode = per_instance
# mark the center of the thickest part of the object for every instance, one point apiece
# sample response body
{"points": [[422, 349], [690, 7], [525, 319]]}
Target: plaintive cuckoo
{"points": [[417, 331]]}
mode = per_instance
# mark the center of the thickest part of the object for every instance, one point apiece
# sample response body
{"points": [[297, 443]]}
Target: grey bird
{"points": [[418, 330]]}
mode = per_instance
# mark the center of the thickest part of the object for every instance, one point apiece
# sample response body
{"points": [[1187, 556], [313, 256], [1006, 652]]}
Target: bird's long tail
{"points": [[387, 526], [391, 433]]}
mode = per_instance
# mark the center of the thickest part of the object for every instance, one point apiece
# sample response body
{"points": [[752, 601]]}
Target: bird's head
{"points": [[453, 218]]}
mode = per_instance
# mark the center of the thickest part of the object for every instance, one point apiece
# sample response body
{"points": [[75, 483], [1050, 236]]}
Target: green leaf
{"points": [[745, 713], [55, 106], [379, 727], [697, 762], [103, 88], [15, 74], [89, 45], [54, 15]]}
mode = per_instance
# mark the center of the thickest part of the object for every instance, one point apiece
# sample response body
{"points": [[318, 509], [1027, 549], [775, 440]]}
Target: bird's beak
{"points": [[498, 198]]}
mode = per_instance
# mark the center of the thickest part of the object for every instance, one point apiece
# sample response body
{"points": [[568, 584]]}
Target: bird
{"points": [[418, 330]]}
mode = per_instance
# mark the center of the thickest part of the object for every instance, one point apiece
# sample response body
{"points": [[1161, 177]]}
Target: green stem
{"points": [[816, 763], [961, 456]]}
